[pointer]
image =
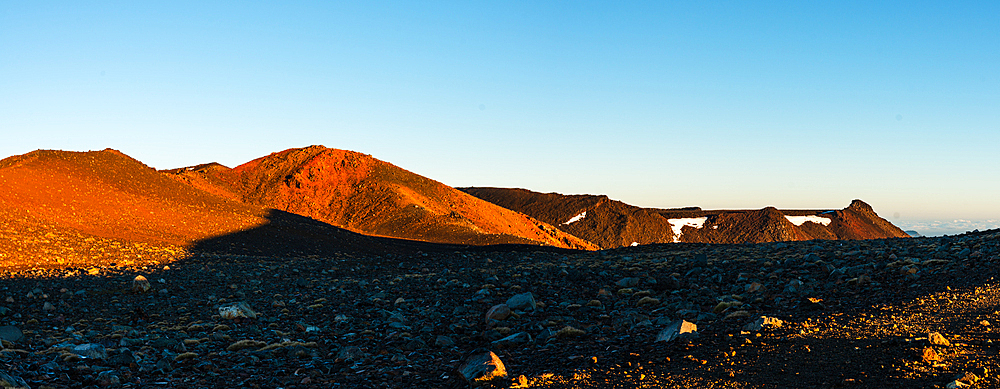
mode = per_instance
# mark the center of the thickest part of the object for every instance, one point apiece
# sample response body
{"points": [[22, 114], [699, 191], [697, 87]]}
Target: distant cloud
{"points": [[947, 227]]}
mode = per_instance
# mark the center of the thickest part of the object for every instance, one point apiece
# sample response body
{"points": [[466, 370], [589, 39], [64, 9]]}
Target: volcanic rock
{"points": [[482, 366], [522, 302], [11, 334], [13, 382], [675, 329], [936, 338], [237, 310], [140, 284]]}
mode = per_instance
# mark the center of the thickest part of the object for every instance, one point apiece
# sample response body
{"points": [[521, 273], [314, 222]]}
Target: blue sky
{"points": [[719, 104]]}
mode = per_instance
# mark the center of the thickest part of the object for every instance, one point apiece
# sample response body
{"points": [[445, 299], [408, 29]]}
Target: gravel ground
{"points": [[851, 313]]}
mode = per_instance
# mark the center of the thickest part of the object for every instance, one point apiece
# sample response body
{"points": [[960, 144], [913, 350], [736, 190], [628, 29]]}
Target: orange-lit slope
{"points": [[110, 195], [363, 194]]}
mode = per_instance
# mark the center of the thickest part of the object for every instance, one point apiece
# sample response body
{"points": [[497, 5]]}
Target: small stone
{"points": [[675, 329], [48, 307], [725, 305], [628, 282], [956, 384], [140, 284], [91, 350], [647, 301], [185, 356], [570, 332], [125, 358], [594, 303], [522, 302], [11, 334], [753, 287], [237, 310], [937, 339], [812, 304], [164, 365], [498, 312], [929, 355], [245, 344], [444, 341], [481, 367], [349, 353], [12, 382], [108, 378], [516, 339], [763, 321]]}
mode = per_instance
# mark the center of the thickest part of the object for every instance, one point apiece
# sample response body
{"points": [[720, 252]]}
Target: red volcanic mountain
{"points": [[363, 194], [611, 223], [61, 208]]}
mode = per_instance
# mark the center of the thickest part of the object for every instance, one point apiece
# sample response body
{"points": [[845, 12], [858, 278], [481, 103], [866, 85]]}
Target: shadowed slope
{"points": [[612, 223], [363, 194], [598, 219]]}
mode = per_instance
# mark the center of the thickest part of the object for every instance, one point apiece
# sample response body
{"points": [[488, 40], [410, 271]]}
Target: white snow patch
{"points": [[799, 220], [577, 217], [678, 224], [634, 244]]}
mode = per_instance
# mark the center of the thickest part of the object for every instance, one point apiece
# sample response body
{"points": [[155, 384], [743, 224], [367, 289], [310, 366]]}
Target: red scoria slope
{"points": [[108, 194], [611, 224], [60, 208], [363, 194], [67, 208]]}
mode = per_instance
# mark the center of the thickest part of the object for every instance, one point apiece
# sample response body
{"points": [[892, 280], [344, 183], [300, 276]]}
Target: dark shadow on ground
{"points": [[291, 235]]}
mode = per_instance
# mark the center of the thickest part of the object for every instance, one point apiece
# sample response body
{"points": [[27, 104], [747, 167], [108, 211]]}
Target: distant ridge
{"points": [[363, 194], [611, 223]]}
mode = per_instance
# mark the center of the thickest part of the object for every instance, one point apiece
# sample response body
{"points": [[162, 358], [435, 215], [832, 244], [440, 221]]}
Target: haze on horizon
{"points": [[659, 105]]}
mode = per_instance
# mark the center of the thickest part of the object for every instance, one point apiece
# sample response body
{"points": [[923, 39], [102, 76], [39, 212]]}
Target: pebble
{"points": [[349, 353], [512, 340], [675, 329], [13, 382], [936, 338], [929, 355], [498, 312], [763, 321], [444, 341], [140, 284], [482, 366], [522, 302], [237, 310], [91, 350], [11, 334]]}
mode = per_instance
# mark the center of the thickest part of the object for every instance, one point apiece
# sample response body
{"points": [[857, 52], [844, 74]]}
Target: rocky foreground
{"points": [[902, 313]]}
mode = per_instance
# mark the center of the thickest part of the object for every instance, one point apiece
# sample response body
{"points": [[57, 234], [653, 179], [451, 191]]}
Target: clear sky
{"points": [[714, 104]]}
